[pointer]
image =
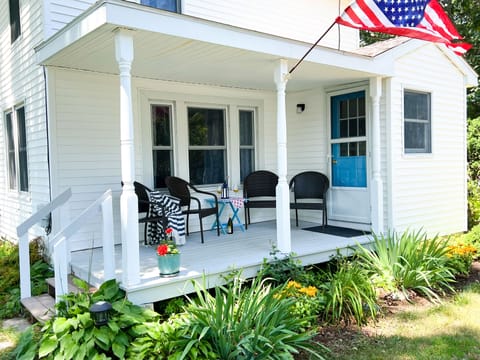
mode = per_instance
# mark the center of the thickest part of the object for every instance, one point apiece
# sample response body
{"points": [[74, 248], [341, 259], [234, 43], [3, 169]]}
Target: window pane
{"points": [[344, 149], [352, 149], [12, 168], [352, 108], [206, 127], [362, 148], [162, 167], [15, 29], [361, 106], [361, 127], [352, 128], [415, 136], [416, 106], [207, 166], [161, 125], [170, 5], [343, 109], [246, 127], [343, 128], [247, 162], [22, 149]]}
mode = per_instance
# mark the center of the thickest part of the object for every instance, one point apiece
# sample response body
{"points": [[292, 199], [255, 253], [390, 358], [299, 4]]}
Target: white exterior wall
{"points": [[58, 13], [21, 82], [85, 136], [303, 20], [429, 190]]}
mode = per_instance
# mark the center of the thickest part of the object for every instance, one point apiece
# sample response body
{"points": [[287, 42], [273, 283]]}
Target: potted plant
{"points": [[168, 256]]}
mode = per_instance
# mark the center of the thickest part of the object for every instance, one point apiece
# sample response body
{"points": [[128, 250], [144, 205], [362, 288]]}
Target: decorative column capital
{"points": [[123, 45]]}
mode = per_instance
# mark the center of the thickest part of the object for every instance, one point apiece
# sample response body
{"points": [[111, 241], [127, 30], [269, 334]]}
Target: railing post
{"points": [[61, 268], [108, 240], [24, 258]]}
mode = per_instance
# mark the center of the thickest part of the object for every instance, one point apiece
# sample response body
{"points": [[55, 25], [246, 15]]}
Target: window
{"points": [[170, 5], [247, 143], [417, 122], [16, 149], [15, 29], [162, 144], [207, 148]]}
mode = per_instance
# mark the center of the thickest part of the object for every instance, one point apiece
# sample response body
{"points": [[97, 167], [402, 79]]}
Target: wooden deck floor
{"points": [[215, 258]]}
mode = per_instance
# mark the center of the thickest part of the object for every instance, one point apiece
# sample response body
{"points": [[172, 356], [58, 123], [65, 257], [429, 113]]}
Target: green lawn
{"points": [[440, 332]]}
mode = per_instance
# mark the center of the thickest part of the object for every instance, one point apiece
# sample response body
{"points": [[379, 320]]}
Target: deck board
{"points": [[218, 256]]}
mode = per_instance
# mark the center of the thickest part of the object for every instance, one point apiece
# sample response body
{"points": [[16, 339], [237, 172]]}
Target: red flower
{"points": [[162, 249], [168, 231]]}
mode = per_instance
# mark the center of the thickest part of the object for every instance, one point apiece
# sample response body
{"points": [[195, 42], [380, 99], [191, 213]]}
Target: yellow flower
{"points": [[309, 291], [293, 284]]}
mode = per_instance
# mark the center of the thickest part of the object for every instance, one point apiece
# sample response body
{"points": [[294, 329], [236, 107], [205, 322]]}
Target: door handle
{"points": [[334, 162]]}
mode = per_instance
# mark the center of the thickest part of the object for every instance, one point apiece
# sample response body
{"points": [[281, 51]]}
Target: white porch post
{"points": [[128, 199], [282, 191], [376, 194]]}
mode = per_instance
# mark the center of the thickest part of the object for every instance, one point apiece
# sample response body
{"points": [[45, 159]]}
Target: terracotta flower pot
{"points": [[169, 264]]}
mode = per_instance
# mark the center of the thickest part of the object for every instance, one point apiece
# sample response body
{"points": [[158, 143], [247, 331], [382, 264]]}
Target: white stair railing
{"points": [[23, 243], [60, 255]]}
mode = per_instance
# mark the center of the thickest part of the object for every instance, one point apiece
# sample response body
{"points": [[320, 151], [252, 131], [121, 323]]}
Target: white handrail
{"points": [[102, 204], [23, 243]]}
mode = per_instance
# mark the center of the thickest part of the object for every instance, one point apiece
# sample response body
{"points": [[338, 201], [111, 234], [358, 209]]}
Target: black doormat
{"points": [[338, 231]]}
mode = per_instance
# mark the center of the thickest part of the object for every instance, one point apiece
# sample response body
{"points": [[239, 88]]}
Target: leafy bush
{"points": [[473, 203], [282, 269], [72, 334], [246, 322], [10, 276], [348, 294], [308, 302], [460, 257], [408, 262], [473, 238]]}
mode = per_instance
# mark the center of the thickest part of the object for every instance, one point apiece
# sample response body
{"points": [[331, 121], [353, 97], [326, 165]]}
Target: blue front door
{"points": [[348, 140]]}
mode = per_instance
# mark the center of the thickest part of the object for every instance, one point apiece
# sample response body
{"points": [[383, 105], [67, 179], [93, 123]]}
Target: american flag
{"points": [[420, 19]]}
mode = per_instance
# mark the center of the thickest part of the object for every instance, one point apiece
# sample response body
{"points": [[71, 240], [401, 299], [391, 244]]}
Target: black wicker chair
{"points": [[311, 186], [259, 191], [181, 189], [145, 207]]}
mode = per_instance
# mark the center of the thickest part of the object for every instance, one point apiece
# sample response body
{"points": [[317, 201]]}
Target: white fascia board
{"points": [[89, 21], [471, 77], [133, 16]]}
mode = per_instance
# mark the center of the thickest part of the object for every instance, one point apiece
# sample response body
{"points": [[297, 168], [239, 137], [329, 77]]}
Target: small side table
{"points": [[235, 205]]}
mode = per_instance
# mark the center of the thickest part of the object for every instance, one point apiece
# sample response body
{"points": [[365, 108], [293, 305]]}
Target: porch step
{"points": [[40, 307], [71, 286]]}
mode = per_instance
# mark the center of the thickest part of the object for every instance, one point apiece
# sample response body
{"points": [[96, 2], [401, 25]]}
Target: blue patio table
{"points": [[235, 204]]}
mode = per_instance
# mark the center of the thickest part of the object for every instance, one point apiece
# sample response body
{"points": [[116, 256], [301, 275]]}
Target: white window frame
{"points": [[428, 139], [19, 169]]}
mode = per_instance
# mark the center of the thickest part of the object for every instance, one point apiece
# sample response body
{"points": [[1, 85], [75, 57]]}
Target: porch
{"points": [[217, 257]]}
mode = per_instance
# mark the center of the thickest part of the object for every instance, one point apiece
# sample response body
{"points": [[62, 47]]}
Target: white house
{"points": [[85, 86]]}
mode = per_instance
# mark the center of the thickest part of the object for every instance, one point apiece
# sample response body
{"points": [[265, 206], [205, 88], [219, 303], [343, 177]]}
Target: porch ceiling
{"points": [[180, 48]]}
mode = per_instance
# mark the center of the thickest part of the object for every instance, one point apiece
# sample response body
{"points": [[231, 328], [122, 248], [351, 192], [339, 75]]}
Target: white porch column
{"points": [[282, 191], [376, 194], [128, 199]]}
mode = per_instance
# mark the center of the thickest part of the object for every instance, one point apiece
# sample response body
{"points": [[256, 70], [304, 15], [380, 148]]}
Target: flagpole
{"points": [[312, 47]]}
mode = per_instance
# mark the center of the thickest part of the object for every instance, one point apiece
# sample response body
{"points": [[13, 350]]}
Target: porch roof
{"points": [[176, 47]]}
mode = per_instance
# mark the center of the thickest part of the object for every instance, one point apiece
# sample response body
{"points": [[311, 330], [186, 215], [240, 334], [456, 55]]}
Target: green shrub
{"points": [[460, 257], [348, 294], [72, 334], [10, 276], [246, 322], [473, 238], [408, 262], [282, 268], [473, 203]]}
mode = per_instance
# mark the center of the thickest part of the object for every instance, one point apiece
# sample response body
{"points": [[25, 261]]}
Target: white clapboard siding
{"points": [[303, 20], [429, 190], [21, 82], [59, 13]]}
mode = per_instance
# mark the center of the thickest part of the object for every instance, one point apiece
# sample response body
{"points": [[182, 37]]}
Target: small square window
{"points": [[15, 29], [417, 122]]}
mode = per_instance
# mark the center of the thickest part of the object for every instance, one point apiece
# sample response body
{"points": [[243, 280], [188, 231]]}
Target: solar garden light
{"points": [[100, 312]]}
